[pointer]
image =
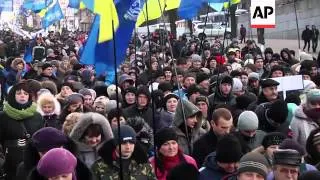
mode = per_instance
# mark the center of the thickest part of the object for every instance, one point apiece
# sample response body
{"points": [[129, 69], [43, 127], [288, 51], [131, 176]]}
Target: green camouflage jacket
{"points": [[103, 171]]}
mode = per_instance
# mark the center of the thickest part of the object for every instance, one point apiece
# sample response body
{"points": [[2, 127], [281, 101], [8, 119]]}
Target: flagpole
{"points": [[117, 97], [179, 86], [297, 23]]}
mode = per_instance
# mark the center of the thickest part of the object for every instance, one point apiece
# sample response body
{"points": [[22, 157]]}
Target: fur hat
{"points": [[51, 86], [70, 121], [47, 98], [17, 61], [86, 120]]}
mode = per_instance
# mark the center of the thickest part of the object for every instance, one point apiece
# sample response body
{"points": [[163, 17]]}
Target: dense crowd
{"points": [[180, 109]]}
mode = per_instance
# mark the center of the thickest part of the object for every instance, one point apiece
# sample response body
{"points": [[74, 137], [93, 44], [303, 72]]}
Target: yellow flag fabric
{"points": [[226, 4], [108, 12], [82, 5], [154, 10], [42, 12]]}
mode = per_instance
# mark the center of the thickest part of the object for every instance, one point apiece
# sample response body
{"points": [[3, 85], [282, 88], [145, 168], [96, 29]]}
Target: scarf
{"points": [[17, 114], [171, 162]]}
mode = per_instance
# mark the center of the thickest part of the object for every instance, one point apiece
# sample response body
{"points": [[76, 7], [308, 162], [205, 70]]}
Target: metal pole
{"points": [[297, 23]]}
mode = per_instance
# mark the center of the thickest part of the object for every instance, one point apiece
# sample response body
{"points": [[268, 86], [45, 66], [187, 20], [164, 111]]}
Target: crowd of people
{"points": [[180, 109]]}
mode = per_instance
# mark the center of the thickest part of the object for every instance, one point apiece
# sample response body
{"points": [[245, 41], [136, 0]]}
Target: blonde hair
{"points": [[70, 121]]}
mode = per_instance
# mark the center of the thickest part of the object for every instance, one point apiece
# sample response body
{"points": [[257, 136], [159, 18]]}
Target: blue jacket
{"points": [[211, 170]]}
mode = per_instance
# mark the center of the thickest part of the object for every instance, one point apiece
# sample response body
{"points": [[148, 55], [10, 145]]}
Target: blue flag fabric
{"points": [[216, 6], [102, 54], [36, 5], [28, 54], [52, 15], [74, 4], [190, 8], [6, 5]]}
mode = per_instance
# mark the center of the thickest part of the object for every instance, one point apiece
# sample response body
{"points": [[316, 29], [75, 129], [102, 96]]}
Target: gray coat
{"points": [[178, 125], [301, 126], [86, 153]]}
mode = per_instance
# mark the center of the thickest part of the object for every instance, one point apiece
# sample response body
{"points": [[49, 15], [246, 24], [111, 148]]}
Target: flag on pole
{"points": [[108, 13], [190, 8], [101, 54], [52, 15], [36, 5], [155, 9], [74, 4]]}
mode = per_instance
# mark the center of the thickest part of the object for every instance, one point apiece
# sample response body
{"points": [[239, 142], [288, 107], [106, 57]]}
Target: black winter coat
{"points": [[204, 146], [10, 131], [133, 111]]}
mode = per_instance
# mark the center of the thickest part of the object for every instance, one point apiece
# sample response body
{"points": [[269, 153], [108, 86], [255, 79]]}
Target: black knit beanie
{"points": [[165, 135], [278, 111], [228, 149]]}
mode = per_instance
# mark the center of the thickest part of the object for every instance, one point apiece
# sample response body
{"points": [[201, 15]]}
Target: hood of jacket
{"points": [[299, 114], [86, 120], [211, 163], [189, 109], [57, 106], [218, 91]]}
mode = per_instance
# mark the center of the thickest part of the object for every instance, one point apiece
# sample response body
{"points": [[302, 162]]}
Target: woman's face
{"points": [[21, 96], [66, 91], [100, 108], [172, 104], [130, 98], [169, 148], [92, 141], [47, 108], [114, 121], [192, 121], [62, 177], [20, 66]]}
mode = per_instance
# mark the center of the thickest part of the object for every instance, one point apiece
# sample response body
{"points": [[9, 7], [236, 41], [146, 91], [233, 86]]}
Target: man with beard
{"points": [[306, 117]]}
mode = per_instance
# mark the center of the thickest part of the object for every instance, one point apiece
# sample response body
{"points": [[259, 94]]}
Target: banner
{"points": [[53, 14], [263, 14]]}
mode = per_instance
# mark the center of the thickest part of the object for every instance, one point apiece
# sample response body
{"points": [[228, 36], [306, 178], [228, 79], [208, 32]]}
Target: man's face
{"points": [[188, 82], [197, 64], [203, 107], [88, 100], [268, 56], [229, 167], [244, 79], [314, 71], [249, 133], [192, 122], [285, 172], [142, 100], [127, 149], [276, 74], [250, 176], [259, 63], [225, 88], [271, 93], [222, 127]]}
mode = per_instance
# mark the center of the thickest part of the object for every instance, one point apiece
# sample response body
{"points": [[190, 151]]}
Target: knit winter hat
{"points": [[253, 75], [165, 86], [254, 162], [46, 65], [127, 133], [56, 162], [74, 98], [287, 157], [164, 135], [130, 89], [278, 111], [292, 144], [183, 171], [228, 149], [202, 99], [310, 175], [193, 89], [248, 120], [237, 85], [313, 95], [195, 57], [48, 138], [144, 90], [201, 77], [274, 138], [51, 86], [85, 92], [114, 113], [316, 139]]}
